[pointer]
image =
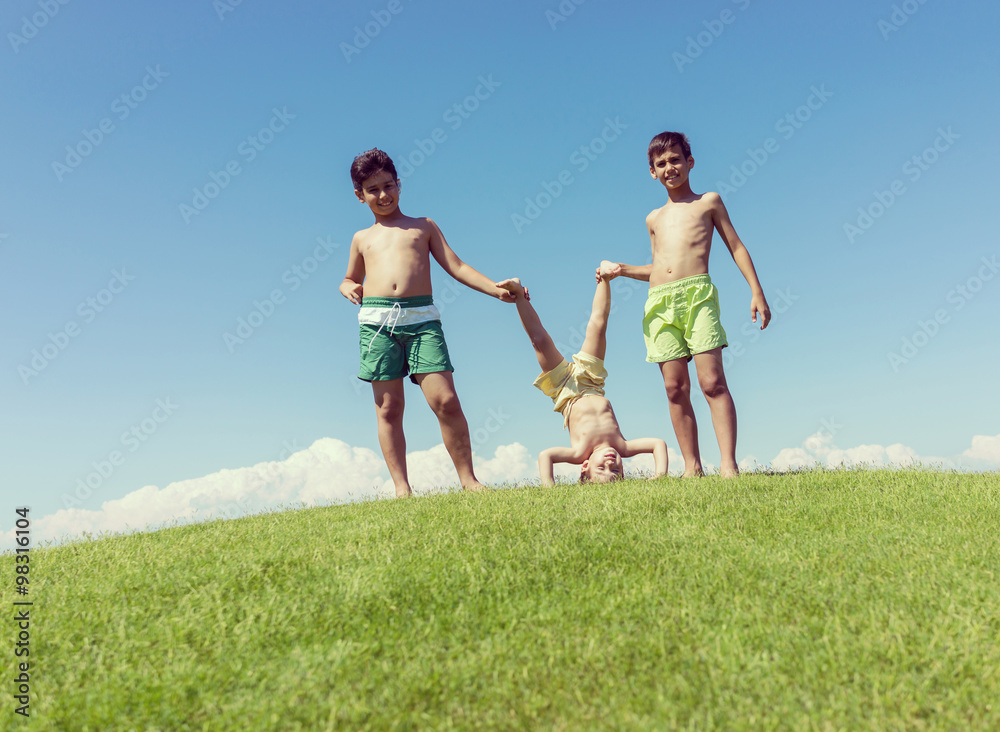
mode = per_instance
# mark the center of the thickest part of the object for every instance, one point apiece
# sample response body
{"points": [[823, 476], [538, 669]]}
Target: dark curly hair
{"points": [[368, 164]]}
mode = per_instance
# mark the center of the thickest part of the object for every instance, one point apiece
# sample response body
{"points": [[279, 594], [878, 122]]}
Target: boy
{"points": [[577, 390], [681, 319], [389, 276]]}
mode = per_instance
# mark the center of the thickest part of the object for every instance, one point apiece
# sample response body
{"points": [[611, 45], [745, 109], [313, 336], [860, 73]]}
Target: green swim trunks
{"points": [[682, 319], [400, 336]]}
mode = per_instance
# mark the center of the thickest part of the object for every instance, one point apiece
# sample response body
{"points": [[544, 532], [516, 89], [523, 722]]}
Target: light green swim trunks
{"points": [[682, 319], [400, 336]]}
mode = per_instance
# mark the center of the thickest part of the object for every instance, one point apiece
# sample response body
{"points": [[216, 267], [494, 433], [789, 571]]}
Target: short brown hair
{"points": [[659, 144]]}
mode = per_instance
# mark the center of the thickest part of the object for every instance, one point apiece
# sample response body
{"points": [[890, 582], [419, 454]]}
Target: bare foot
{"points": [[476, 487], [693, 474], [404, 493], [729, 472]]}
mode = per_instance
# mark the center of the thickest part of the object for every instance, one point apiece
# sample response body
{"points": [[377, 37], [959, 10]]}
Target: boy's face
{"points": [[604, 465], [380, 192], [671, 168]]}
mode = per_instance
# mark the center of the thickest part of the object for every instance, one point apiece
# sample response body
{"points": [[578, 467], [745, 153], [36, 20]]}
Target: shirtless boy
{"points": [[389, 276], [577, 389], [681, 318]]}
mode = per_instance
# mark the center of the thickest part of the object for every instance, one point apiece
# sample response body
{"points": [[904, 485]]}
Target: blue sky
{"points": [[170, 170]]}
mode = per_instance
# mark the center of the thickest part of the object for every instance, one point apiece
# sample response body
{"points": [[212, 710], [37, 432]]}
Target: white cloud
{"points": [[792, 458], [645, 464], [328, 471], [984, 448], [819, 450], [509, 464], [331, 471], [433, 469]]}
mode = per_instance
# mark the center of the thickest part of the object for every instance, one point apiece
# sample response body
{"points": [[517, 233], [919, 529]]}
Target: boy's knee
{"points": [[389, 409], [677, 389], [447, 405], [714, 386]]}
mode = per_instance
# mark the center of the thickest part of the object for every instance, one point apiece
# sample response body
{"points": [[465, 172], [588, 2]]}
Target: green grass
{"points": [[815, 600]]}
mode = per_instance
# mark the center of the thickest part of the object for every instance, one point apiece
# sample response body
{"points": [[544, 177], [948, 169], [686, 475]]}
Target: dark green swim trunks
{"points": [[400, 336]]}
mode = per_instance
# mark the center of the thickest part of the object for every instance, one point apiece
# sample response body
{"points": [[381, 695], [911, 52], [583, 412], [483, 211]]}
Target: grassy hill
{"points": [[815, 600]]}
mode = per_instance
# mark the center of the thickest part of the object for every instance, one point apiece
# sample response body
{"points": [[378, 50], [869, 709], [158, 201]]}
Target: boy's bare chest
{"points": [[683, 225], [689, 219], [396, 245], [592, 420]]}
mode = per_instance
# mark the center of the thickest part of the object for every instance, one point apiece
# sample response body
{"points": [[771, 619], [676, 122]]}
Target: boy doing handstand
{"points": [[389, 276], [577, 389], [681, 319]]}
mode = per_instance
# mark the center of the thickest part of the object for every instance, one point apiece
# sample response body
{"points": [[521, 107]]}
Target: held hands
{"points": [[608, 271], [510, 289], [758, 304], [352, 291]]}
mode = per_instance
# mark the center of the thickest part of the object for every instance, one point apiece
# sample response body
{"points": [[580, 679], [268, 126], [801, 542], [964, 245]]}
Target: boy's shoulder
{"points": [[709, 199], [651, 216], [419, 222]]}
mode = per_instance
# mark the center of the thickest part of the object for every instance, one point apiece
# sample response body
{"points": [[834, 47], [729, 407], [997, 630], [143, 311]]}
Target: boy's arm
{"points": [[352, 286], [633, 271], [610, 270], [453, 265], [758, 303], [649, 444], [546, 459]]}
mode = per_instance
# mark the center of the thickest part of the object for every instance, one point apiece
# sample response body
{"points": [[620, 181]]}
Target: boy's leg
{"points": [[712, 380], [439, 390], [545, 350], [389, 412], [677, 382], [595, 342]]}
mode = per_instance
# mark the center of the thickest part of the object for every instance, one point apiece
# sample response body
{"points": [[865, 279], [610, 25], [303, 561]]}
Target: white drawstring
{"points": [[394, 309]]}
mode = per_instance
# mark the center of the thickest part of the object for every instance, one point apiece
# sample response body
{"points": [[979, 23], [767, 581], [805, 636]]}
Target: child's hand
{"points": [[758, 304], [352, 291], [608, 270], [511, 289]]}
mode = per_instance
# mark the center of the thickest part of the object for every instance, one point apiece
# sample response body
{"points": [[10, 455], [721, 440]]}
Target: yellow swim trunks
{"points": [[567, 382], [682, 319]]}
